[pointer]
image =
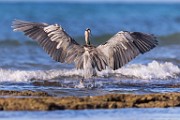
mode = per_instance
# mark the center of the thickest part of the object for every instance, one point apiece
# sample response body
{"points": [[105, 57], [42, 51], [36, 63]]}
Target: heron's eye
{"points": [[88, 29]]}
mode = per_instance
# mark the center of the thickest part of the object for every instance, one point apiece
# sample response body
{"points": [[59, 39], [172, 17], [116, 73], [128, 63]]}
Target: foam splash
{"points": [[153, 70], [24, 76]]}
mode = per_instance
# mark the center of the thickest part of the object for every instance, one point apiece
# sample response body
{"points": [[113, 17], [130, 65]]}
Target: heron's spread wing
{"points": [[54, 40], [124, 46]]}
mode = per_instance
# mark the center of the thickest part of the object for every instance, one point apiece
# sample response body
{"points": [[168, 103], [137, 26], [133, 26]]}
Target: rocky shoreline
{"points": [[33, 101]]}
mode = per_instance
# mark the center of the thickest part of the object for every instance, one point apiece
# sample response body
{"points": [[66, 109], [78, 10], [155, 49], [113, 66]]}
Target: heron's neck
{"points": [[87, 39], [87, 42]]}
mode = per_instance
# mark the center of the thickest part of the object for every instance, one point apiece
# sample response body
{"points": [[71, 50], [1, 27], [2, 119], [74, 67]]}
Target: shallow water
{"points": [[123, 114], [134, 79]]}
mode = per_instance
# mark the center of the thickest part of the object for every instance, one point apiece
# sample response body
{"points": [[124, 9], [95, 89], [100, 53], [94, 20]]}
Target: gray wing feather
{"points": [[54, 40], [124, 46]]}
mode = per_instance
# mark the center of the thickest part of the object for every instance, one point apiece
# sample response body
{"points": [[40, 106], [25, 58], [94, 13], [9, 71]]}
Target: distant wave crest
{"points": [[164, 40], [153, 70]]}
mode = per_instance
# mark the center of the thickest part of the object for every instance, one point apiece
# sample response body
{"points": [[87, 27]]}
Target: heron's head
{"points": [[88, 30], [87, 35]]}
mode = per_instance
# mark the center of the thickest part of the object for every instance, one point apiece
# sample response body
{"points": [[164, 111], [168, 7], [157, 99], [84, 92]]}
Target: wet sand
{"points": [[33, 101]]}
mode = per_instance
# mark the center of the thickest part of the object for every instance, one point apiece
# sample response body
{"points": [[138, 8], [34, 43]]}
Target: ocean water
{"points": [[123, 114], [25, 66]]}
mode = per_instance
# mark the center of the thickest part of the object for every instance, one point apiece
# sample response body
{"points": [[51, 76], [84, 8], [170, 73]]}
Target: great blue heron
{"points": [[114, 53]]}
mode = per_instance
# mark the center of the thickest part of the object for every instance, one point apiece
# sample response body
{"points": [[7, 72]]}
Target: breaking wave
{"points": [[153, 70]]}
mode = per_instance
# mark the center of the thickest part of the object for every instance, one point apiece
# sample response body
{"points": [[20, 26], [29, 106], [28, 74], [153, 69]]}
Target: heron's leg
{"points": [[93, 81], [82, 81]]}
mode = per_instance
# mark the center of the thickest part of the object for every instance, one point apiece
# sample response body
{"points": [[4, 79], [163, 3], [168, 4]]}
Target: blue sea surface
{"points": [[102, 18]]}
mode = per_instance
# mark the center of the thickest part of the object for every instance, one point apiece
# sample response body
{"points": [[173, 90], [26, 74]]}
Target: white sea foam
{"points": [[23, 75], [153, 70]]}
